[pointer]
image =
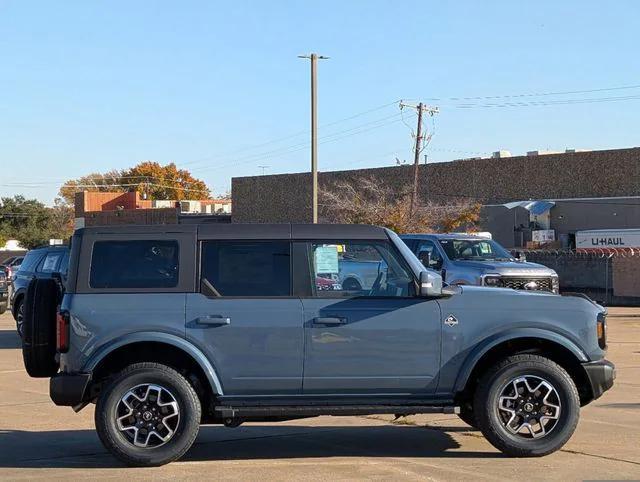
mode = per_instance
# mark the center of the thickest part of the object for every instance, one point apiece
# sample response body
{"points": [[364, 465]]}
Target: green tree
{"points": [[27, 220]]}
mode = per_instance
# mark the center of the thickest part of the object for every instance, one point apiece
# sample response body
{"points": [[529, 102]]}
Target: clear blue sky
{"points": [[94, 85]]}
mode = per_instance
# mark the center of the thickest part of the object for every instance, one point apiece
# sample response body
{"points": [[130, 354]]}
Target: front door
{"points": [[366, 331], [246, 320]]}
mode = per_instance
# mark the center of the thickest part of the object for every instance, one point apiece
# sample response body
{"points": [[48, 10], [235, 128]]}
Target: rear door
{"points": [[245, 318], [380, 338]]}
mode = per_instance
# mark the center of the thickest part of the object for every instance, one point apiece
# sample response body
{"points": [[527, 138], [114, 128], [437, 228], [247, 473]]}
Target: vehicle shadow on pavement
{"points": [[9, 340], [82, 449]]}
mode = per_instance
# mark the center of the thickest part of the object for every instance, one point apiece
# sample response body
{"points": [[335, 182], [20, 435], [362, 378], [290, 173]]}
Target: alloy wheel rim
{"points": [[20, 318], [529, 407], [148, 415]]}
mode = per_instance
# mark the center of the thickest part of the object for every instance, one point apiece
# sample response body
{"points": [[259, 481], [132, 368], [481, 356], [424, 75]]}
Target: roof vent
{"points": [[501, 154]]}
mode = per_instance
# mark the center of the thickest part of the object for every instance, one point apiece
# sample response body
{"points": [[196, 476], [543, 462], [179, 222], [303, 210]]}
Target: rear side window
{"points": [[247, 268], [134, 264], [50, 262]]}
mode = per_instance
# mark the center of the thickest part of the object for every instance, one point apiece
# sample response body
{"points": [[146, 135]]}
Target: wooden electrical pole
{"points": [[420, 108], [416, 161]]}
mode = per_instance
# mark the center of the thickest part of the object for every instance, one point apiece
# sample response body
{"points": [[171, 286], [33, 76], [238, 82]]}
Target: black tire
{"points": [[487, 398], [118, 443], [3, 308], [39, 328], [467, 416]]}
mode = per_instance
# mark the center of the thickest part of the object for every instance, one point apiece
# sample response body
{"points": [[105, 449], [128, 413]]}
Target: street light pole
{"points": [[314, 132]]}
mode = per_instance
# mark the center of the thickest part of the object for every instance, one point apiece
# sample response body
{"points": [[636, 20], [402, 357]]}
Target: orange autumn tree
{"points": [[148, 177]]}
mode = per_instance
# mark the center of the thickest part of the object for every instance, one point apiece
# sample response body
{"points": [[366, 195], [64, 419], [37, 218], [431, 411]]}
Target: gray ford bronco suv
{"points": [[165, 328]]}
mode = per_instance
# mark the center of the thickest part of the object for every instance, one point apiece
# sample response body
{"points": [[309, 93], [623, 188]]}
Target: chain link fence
{"points": [[608, 276]]}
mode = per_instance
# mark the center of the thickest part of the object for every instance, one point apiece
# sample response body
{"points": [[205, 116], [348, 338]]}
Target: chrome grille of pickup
{"points": [[543, 284]]}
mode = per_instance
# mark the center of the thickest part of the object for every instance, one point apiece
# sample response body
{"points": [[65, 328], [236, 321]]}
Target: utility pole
{"points": [[420, 108], [264, 168], [314, 132]]}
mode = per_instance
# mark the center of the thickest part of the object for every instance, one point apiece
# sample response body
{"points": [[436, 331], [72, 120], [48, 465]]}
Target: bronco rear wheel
{"points": [[148, 415], [527, 406]]}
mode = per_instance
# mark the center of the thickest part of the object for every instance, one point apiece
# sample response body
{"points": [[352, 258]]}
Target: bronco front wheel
{"points": [[148, 415], [527, 406]]}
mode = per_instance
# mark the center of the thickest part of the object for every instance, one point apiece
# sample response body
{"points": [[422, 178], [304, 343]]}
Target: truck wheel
{"points": [[148, 415], [527, 406], [3, 308], [467, 416], [18, 315], [38, 329]]}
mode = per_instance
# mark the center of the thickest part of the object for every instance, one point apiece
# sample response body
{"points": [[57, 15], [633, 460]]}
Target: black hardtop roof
{"points": [[247, 231]]}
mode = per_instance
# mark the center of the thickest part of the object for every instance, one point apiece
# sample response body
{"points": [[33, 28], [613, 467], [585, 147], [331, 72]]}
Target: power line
{"points": [[292, 136], [302, 146], [538, 94], [547, 103]]}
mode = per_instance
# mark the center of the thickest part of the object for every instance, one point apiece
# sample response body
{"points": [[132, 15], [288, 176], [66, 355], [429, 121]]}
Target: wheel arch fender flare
{"points": [[493, 341], [159, 337]]}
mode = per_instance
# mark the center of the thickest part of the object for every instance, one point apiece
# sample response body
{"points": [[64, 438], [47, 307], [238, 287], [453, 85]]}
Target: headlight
{"points": [[491, 280], [555, 284], [602, 330]]}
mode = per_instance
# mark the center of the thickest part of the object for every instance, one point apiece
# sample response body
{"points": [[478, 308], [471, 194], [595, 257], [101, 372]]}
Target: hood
{"points": [[512, 268]]}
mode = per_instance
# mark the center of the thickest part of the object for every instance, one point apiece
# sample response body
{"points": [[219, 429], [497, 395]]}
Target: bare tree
{"points": [[372, 202]]}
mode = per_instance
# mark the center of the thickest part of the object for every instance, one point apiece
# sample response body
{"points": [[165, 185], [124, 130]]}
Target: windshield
{"points": [[475, 249]]}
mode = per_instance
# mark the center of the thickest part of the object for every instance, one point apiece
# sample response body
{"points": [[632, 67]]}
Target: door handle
{"points": [[213, 320], [329, 320]]}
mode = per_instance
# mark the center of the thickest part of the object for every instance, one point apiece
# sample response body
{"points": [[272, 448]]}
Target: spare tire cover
{"points": [[39, 329]]}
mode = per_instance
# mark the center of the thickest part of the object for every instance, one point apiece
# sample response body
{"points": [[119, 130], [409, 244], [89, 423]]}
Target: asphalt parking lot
{"points": [[40, 440]]}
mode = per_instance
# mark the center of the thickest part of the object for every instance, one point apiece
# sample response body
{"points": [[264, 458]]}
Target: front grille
{"points": [[543, 284]]}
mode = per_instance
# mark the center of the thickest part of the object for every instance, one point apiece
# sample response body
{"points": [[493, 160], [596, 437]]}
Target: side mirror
{"points": [[430, 284], [520, 256]]}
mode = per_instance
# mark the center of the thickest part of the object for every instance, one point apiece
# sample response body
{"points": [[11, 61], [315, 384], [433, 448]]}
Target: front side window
{"points": [[475, 249], [359, 268], [31, 260], [246, 268], [134, 264], [429, 255]]}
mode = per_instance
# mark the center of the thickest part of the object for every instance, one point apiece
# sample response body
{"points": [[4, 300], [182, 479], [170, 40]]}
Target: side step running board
{"points": [[230, 412]]}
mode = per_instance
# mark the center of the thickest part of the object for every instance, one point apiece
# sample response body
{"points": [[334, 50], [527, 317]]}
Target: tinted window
{"points": [[134, 264], [50, 262], [429, 255], [64, 263], [247, 268], [474, 249], [31, 260], [359, 268]]}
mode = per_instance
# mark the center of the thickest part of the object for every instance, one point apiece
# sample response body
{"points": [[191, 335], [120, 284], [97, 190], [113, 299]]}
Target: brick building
{"points": [[108, 208]]}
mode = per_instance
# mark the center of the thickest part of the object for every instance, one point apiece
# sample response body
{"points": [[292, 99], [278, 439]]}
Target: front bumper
{"points": [[601, 375], [69, 389]]}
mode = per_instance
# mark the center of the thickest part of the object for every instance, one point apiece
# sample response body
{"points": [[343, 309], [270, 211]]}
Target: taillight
{"points": [[602, 330], [62, 332]]}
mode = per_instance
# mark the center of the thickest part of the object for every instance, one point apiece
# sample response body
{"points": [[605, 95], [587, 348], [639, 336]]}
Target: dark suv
{"points": [[38, 263], [168, 327]]}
